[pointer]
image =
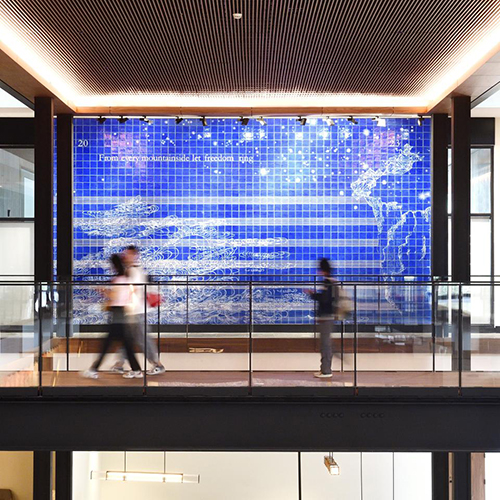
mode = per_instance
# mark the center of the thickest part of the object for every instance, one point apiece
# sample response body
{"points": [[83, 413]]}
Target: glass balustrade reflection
{"points": [[19, 339]]}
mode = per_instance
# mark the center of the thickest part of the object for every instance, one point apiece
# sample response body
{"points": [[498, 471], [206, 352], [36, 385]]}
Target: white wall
{"points": [[17, 248], [259, 476], [16, 473]]}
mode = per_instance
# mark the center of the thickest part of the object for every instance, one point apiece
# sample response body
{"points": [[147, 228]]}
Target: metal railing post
{"points": [[158, 339], [145, 298], [67, 300], [355, 339], [433, 325], [460, 338], [250, 333], [187, 309], [40, 337]]}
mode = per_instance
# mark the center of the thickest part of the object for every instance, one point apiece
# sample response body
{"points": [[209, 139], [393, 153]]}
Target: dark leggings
{"points": [[118, 332]]}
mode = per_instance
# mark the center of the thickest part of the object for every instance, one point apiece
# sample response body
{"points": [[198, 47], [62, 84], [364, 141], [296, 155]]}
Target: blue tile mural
{"points": [[228, 200]]}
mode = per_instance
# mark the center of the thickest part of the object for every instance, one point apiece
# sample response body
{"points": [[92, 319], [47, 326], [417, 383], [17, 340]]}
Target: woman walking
{"points": [[119, 298]]}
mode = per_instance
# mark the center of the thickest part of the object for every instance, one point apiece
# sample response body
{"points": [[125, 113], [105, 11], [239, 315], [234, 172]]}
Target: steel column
{"points": [[44, 184]]}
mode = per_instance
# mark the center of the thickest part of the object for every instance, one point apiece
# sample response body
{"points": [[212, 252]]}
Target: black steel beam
{"points": [[460, 188], [64, 197], [462, 489], [17, 132], [439, 227], [44, 175], [42, 475], [64, 475], [440, 476], [225, 425]]}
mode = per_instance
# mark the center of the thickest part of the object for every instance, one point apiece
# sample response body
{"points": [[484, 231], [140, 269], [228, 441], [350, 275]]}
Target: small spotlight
{"points": [[376, 119], [146, 120], [179, 120], [420, 120], [122, 119], [262, 121], [203, 121], [332, 466], [352, 120], [101, 120], [330, 121], [244, 121], [301, 120], [237, 15]]}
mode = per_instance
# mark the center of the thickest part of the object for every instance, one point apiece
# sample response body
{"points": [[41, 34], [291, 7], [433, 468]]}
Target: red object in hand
{"points": [[154, 299]]}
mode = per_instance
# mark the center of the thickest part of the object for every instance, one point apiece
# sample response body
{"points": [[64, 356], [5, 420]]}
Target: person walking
{"points": [[136, 314], [326, 297], [119, 298]]}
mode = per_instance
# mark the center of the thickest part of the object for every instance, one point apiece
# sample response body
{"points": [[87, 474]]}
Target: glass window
{"points": [[16, 183], [480, 166]]}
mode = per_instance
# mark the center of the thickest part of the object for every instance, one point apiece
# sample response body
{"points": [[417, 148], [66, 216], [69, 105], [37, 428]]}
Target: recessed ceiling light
{"points": [[237, 15]]}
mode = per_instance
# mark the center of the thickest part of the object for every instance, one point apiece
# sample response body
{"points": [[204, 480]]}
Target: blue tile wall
{"points": [[228, 200]]}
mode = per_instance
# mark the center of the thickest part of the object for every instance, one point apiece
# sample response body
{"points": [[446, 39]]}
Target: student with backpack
{"points": [[326, 297]]}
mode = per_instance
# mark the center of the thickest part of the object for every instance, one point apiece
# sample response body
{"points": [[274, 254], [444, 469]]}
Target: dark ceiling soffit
{"points": [[16, 95]]}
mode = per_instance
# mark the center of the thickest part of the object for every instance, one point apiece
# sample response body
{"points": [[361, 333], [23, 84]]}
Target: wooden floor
{"points": [[259, 379]]}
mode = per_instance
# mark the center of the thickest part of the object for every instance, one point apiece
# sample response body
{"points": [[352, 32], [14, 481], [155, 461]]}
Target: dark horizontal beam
{"points": [[256, 425], [17, 132]]}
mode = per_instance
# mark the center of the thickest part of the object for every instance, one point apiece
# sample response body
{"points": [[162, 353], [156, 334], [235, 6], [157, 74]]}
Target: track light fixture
{"points": [[203, 121], [262, 121], [178, 120], [101, 120], [331, 465], [352, 120], [420, 120], [330, 121], [244, 121], [302, 120], [122, 119], [146, 120]]}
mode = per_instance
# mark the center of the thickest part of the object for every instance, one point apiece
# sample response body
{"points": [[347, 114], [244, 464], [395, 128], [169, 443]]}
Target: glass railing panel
{"points": [[205, 338], [19, 339], [286, 348], [480, 351], [83, 323], [395, 337]]}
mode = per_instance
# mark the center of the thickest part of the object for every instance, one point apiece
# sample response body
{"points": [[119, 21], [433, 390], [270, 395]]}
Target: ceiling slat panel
{"points": [[306, 47]]}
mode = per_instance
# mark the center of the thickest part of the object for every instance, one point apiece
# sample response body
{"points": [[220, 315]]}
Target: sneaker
{"points": [[323, 375], [133, 374], [117, 369], [90, 373], [156, 370]]}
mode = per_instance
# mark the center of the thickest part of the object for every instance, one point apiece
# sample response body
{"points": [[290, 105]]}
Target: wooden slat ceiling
{"points": [[303, 47]]}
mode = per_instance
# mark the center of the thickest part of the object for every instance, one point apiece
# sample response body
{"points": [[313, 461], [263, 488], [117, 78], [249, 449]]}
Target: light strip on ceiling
{"points": [[28, 54], [485, 48], [145, 477], [248, 100]]}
